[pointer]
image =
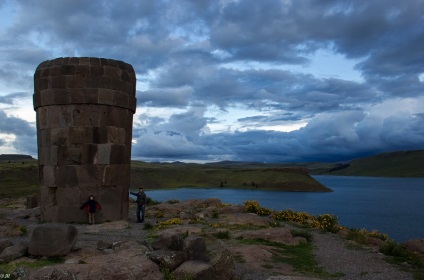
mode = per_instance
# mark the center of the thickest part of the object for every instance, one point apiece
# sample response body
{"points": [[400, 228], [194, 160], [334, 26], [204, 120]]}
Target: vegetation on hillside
{"points": [[168, 175], [393, 164]]}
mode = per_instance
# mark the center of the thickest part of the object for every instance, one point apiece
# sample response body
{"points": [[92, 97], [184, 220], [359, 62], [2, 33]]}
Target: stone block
{"points": [[47, 97], [89, 174], [54, 116], [55, 70], [91, 95], [84, 61], [121, 100], [59, 136], [117, 154], [49, 176], [80, 135], [32, 201], [89, 153], [112, 72], [93, 82], [103, 153], [75, 81], [73, 61], [62, 154], [69, 197], [106, 96], [67, 70], [72, 214], [62, 97], [43, 84], [96, 70], [82, 69], [100, 135], [77, 95], [36, 99], [119, 86], [116, 135], [198, 270], [94, 61], [75, 155], [66, 176], [48, 197], [44, 137], [57, 82], [51, 155]]}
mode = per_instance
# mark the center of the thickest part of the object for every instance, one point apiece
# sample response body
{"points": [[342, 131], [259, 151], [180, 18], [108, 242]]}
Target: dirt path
{"points": [[335, 255]]}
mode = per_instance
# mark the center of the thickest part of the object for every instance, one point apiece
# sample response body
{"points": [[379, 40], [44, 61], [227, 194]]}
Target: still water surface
{"points": [[390, 205]]}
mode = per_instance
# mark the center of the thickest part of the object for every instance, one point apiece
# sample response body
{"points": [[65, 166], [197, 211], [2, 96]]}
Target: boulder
{"points": [[21, 272], [13, 252], [196, 270], [416, 246], [223, 265], [281, 235], [195, 248], [168, 259], [101, 245], [4, 244], [129, 262], [8, 228], [169, 240], [52, 240], [32, 201]]}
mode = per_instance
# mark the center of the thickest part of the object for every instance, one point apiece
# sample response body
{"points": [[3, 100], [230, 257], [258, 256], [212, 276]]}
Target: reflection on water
{"points": [[391, 205]]}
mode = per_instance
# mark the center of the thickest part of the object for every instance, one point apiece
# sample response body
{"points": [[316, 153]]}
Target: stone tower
{"points": [[84, 109]]}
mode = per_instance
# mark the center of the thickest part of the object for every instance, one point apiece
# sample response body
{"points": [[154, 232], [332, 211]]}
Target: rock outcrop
{"points": [[52, 240]]}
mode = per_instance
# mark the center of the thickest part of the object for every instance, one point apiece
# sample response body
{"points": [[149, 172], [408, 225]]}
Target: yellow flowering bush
{"points": [[298, 217], [377, 234], [327, 222], [174, 221], [252, 206]]}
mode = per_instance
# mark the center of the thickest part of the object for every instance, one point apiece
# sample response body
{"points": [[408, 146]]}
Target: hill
{"points": [[20, 178], [392, 164], [225, 175], [15, 157]]}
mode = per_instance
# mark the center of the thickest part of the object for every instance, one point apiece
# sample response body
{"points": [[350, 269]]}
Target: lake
{"points": [[390, 205]]}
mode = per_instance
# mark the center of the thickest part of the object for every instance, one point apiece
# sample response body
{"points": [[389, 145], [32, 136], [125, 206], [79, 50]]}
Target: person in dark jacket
{"points": [[141, 204], [91, 206]]}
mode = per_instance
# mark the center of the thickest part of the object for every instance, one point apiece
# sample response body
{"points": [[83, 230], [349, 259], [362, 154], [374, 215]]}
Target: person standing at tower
{"points": [[91, 206], [141, 204]]}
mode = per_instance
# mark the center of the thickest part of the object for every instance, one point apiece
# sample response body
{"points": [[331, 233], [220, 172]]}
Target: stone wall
{"points": [[84, 109]]}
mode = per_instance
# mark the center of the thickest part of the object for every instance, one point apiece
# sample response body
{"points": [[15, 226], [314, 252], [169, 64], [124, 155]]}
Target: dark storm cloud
{"points": [[16, 126], [193, 55], [11, 98], [25, 135]]}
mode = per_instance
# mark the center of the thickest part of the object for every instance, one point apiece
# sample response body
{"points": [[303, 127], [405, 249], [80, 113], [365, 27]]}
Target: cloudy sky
{"points": [[268, 81]]}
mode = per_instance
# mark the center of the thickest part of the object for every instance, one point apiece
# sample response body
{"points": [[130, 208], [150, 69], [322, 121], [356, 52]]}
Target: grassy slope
{"points": [[155, 175], [394, 164], [19, 179]]}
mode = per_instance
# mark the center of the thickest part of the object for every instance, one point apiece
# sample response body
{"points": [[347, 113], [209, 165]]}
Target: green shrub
{"points": [[150, 201], [222, 234], [148, 226], [302, 233], [172, 201]]}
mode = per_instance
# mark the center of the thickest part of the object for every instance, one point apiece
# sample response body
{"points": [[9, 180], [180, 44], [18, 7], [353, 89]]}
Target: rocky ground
{"points": [[221, 241]]}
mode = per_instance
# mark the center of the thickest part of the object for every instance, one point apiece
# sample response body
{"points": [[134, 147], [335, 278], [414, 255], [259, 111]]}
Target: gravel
{"points": [[336, 256]]}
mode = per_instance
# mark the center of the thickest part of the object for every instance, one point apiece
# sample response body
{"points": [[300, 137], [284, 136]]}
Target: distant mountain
{"points": [[13, 157], [392, 164]]}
